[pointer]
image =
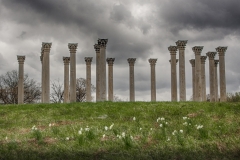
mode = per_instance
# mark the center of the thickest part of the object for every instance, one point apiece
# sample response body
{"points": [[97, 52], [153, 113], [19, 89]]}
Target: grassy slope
{"points": [[144, 138]]}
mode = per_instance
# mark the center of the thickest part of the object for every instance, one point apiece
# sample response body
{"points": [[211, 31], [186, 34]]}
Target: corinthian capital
{"points": [[97, 47], [20, 59], [88, 60], [211, 55], [110, 61], [152, 61], [197, 49], [173, 49], [72, 47], [192, 61], [66, 60], [181, 44], [203, 59], [46, 46], [102, 42], [221, 50], [131, 61]]}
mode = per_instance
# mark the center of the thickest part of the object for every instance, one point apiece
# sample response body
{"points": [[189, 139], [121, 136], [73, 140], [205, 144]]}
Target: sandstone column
{"points": [[102, 62], [131, 62], [192, 61], [66, 61], [21, 60], [221, 53], [198, 88], [211, 56], [182, 82], [46, 72], [73, 48], [216, 80], [97, 49], [88, 61], [173, 50], [203, 77], [110, 62], [153, 78], [42, 85]]}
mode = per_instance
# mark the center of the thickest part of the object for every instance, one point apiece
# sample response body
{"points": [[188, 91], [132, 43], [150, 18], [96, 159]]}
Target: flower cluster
{"points": [[34, 128], [199, 126]]}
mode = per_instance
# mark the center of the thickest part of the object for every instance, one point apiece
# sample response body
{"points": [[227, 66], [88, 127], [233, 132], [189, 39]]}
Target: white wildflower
{"points": [[131, 137], [166, 122], [103, 136], [134, 118], [6, 138], [151, 129], [160, 125], [199, 126], [50, 125], [111, 126], [67, 138], [185, 123], [181, 131], [184, 118], [80, 132], [168, 139], [106, 128], [158, 119], [162, 119], [174, 132], [87, 128], [140, 129], [123, 134]]}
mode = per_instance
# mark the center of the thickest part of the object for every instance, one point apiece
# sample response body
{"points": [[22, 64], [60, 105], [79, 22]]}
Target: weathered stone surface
{"points": [[88, 61], [66, 61], [153, 78], [216, 80], [97, 49], [192, 61], [203, 77], [211, 56], [21, 60], [131, 62]]}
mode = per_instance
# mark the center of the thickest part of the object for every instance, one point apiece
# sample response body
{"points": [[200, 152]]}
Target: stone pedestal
{"points": [[72, 48], [198, 88], [182, 82], [192, 61], [173, 61], [102, 65], [153, 78], [131, 62], [211, 56], [97, 49], [66, 61], [88, 61], [46, 72], [110, 62], [21, 60], [221, 53], [216, 80], [203, 77]]}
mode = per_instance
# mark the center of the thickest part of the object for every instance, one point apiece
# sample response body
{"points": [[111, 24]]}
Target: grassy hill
{"points": [[121, 130]]}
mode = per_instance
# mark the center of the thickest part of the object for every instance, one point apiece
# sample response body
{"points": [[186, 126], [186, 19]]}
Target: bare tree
{"points": [[9, 88], [58, 91]]}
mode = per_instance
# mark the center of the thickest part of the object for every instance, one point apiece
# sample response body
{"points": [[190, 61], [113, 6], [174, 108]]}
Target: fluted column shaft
{"points": [[153, 78], [46, 72], [221, 53], [192, 61], [216, 80], [110, 62], [88, 61], [102, 65], [203, 77], [173, 61], [66, 61], [211, 56], [198, 88], [97, 49], [182, 82], [131, 62], [21, 60], [72, 48]]}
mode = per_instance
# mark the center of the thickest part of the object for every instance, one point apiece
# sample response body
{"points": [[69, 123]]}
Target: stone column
{"points": [[131, 62], [46, 72], [221, 53], [66, 61], [211, 56], [97, 49], [182, 82], [198, 88], [216, 80], [73, 48], [102, 62], [42, 87], [21, 60], [110, 62], [153, 78], [203, 78], [88, 61], [173, 61], [192, 61]]}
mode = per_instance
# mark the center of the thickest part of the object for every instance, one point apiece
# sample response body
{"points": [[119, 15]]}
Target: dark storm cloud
{"points": [[180, 14]]}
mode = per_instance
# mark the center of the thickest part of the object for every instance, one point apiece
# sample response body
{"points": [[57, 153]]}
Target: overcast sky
{"points": [[139, 29]]}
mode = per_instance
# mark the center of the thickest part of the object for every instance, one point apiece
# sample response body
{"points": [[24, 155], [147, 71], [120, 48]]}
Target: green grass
{"points": [[160, 130]]}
